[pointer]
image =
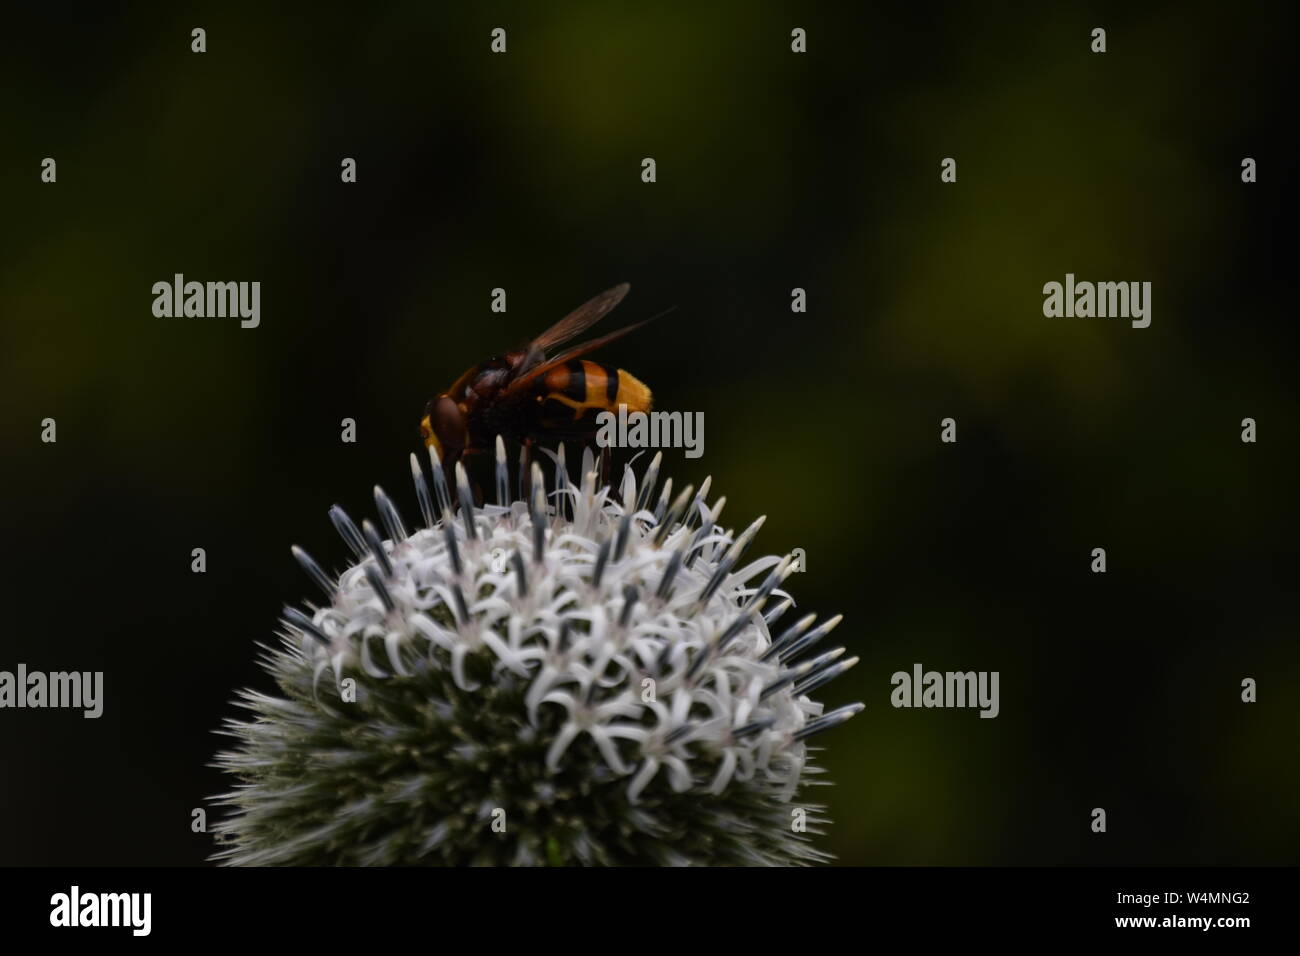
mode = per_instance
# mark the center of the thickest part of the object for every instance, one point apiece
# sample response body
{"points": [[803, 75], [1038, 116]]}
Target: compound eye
{"points": [[448, 424]]}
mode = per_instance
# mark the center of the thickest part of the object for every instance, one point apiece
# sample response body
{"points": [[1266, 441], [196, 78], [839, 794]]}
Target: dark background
{"points": [[775, 170]]}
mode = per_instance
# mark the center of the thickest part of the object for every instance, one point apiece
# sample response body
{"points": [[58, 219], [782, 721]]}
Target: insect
{"points": [[529, 396]]}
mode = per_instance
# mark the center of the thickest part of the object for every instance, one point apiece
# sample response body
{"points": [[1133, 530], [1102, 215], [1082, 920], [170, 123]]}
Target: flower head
{"points": [[586, 675]]}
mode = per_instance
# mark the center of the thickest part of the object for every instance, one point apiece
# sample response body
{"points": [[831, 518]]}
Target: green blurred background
{"points": [[775, 170]]}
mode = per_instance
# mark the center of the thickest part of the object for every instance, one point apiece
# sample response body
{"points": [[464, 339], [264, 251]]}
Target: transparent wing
{"points": [[520, 383], [573, 324]]}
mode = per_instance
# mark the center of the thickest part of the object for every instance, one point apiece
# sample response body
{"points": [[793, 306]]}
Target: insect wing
{"points": [[573, 324], [521, 383]]}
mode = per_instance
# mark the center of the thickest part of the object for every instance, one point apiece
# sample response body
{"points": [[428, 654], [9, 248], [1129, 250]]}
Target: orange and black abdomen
{"points": [[571, 395]]}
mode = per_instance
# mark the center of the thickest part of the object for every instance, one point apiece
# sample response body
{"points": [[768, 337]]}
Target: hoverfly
{"points": [[526, 396]]}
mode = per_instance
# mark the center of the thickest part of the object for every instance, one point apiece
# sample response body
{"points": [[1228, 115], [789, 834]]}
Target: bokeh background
{"points": [[775, 170]]}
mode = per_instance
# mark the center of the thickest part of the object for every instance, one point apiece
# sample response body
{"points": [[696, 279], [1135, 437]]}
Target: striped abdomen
{"points": [[573, 394]]}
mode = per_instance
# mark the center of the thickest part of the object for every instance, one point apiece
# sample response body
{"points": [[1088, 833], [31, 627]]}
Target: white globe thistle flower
{"points": [[585, 676]]}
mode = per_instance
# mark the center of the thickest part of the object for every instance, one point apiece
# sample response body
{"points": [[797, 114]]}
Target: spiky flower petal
{"points": [[590, 675]]}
